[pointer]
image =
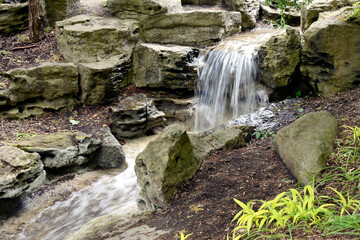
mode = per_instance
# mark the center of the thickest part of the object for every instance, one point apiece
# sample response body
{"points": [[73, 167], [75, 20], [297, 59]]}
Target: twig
{"points": [[24, 47]]}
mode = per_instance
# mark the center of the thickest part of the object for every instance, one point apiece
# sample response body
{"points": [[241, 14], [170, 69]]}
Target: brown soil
{"points": [[204, 205]]}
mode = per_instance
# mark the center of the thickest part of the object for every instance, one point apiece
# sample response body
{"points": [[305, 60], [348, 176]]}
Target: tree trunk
{"points": [[36, 20]]}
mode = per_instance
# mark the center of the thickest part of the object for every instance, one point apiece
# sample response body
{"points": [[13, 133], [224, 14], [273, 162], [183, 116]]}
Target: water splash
{"points": [[226, 85], [109, 195]]}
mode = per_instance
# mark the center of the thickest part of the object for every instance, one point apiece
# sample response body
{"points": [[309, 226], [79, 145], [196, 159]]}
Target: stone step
{"points": [[191, 28]]}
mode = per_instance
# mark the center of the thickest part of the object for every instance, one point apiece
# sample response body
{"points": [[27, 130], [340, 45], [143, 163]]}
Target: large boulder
{"points": [[110, 155], [159, 66], [63, 149], [134, 116], [310, 13], [201, 2], [13, 17], [279, 59], [51, 86], [92, 39], [249, 11], [141, 9], [192, 28], [20, 172], [58, 10], [331, 56], [306, 144], [100, 82], [163, 166]]}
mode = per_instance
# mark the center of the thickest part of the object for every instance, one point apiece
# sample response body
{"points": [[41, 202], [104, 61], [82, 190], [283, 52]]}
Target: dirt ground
{"points": [[204, 205]]}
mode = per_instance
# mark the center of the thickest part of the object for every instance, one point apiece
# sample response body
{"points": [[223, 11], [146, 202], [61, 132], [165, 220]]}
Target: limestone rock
{"points": [[249, 11], [122, 225], [329, 68], [13, 17], [192, 28], [228, 138], [158, 66], [310, 13], [110, 154], [61, 149], [163, 166], [176, 109], [51, 86], [306, 144], [20, 172], [201, 2], [134, 116], [91, 39], [101, 81], [272, 13], [141, 9], [279, 59], [58, 10]]}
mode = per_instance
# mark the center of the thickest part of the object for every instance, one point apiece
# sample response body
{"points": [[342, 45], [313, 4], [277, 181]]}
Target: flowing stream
{"points": [[112, 193], [227, 84]]}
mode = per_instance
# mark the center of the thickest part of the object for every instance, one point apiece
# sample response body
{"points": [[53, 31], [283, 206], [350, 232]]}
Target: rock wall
{"points": [[13, 17]]}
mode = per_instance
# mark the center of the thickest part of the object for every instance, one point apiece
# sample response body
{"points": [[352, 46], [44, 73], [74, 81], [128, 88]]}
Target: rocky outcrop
{"points": [[141, 9], [33, 91], [292, 15], [306, 144], [165, 163], [91, 39], [61, 149], [134, 116], [13, 17], [110, 154], [177, 110], [279, 59], [100, 82], [191, 28], [329, 68], [249, 11], [159, 66], [201, 2], [20, 172], [58, 10], [310, 13]]}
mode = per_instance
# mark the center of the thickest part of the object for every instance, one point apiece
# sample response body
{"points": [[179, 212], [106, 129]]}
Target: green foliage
{"points": [[105, 3], [354, 14], [183, 237], [347, 224], [298, 94], [282, 5], [290, 207], [265, 133]]}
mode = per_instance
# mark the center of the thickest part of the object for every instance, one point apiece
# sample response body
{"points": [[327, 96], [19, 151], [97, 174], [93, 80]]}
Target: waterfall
{"points": [[226, 85]]}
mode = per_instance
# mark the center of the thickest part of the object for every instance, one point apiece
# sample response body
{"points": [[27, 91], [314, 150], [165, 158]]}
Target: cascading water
{"points": [[226, 84]]}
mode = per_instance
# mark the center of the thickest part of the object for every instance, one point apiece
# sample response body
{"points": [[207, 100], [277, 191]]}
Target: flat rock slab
{"points": [[20, 172], [160, 66], [192, 28], [61, 149], [90, 39], [306, 144]]}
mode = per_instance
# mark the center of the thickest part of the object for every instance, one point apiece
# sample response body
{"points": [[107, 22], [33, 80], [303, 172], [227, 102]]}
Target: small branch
{"points": [[24, 47]]}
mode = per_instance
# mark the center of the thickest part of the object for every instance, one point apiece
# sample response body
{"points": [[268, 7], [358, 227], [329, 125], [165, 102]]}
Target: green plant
{"points": [[286, 208], [347, 224], [298, 94], [265, 133], [105, 3], [183, 237], [355, 132], [353, 14], [282, 5], [346, 203]]}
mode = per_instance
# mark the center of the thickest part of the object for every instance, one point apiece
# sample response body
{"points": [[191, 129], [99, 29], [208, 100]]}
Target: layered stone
{"points": [[33, 91], [249, 11], [169, 67], [192, 28], [13, 17], [329, 68]]}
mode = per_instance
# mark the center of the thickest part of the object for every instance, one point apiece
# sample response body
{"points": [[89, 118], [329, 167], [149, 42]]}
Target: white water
{"points": [[109, 195], [227, 85]]}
